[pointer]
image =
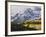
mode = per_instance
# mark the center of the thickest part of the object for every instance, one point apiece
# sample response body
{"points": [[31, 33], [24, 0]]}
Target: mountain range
{"points": [[28, 14]]}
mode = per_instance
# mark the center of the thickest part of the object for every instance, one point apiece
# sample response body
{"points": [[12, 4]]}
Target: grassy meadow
{"points": [[26, 25]]}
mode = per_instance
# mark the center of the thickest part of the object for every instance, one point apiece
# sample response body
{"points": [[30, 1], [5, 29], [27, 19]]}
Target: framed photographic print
{"points": [[24, 18]]}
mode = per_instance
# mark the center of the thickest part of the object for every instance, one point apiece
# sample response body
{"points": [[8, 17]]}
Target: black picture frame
{"points": [[6, 18]]}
